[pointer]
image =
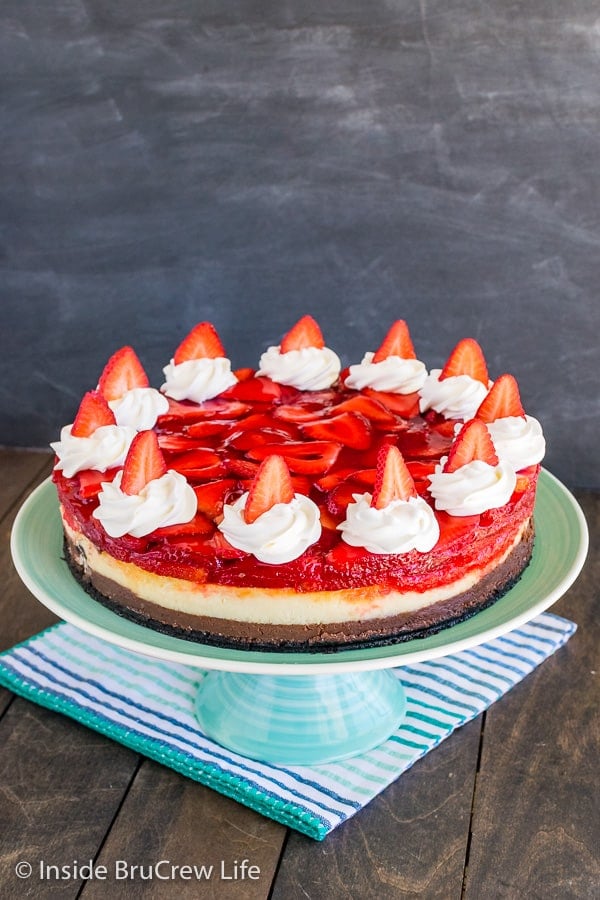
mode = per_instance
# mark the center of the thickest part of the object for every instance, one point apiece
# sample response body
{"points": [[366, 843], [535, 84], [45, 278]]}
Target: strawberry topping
{"points": [[346, 428], [405, 405], [274, 441], [202, 342], [472, 442], [466, 359], [123, 372], [397, 342], [502, 401], [93, 412], [272, 484], [305, 333], [371, 409], [144, 462], [212, 495], [310, 458], [393, 480]]}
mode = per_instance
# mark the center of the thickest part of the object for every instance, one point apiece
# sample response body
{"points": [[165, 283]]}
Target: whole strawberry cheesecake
{"points": [[299, 505]]}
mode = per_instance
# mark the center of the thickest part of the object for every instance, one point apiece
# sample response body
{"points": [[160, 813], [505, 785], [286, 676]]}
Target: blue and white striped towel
{"points": [[149, 706]]}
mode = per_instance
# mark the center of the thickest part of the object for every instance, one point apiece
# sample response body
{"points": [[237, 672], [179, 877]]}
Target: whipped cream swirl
{"points": [[139, 408], [473, 488], [393, 374], [168, 500], [401, 526], [105, 449], [520, 441], [456, 397], [198, 379], [309, 369], [279, 535]]}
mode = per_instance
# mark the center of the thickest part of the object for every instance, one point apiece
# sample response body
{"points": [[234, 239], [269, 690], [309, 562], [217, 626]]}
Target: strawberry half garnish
{"points": [[472, 442], [272, 485], [123, 372], [397, 342], [93, 412], [502, 401], [202, 342], [393, 481], [305, 333], [144, 462], [466, 359]]}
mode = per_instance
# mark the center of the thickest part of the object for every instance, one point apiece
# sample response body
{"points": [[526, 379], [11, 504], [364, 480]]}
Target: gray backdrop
{"points": [[247, 162]]}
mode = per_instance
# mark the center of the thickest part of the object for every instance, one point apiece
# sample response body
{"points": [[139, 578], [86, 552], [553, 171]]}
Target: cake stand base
{"points": [[300, 719]]}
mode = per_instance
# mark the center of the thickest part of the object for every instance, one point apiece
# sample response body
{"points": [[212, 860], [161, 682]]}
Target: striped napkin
{"points": [[148, 705]]}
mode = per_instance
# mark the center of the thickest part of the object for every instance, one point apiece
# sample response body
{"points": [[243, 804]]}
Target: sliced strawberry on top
{"points": [[466, 359], [472, 442], [339, 499], [176, 443], [201, 462], [144, 462], [359, 476], [123, 372], [91, 480], [202, 342], [212, 495], [502, 401], [393, 480], [242, 469], [257, 389], [305, 333], [302, 457], [188, 411], [272, 485], [368, 407], [346, 428], [397, 342], [93, 412], [297, 412], [405, 405]]}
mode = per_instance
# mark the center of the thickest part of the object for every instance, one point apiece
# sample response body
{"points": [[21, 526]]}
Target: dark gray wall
{"points": [[246, 162]]}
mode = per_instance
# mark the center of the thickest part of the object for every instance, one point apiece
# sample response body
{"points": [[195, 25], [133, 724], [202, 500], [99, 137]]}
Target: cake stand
{"points": [[298, 708]]}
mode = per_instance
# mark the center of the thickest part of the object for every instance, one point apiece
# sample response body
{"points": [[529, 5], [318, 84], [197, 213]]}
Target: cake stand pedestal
{"points": [[292, 707], [300, 719]]}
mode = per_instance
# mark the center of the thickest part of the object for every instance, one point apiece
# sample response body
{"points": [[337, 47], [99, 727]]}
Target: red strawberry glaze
{"points": [[229, 452]]}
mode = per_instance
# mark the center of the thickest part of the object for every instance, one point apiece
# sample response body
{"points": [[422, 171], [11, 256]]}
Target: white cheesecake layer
{"points": [[270, 606]]}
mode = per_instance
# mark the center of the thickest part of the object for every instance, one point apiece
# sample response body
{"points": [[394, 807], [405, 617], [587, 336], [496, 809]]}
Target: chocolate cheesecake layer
{"points": [[311, 637]]}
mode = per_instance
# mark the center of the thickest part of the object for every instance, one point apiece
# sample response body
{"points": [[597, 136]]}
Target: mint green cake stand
{"points": [[302, 708], [300, 719]]}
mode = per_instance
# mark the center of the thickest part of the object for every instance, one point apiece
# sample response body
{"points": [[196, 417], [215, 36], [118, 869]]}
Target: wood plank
{"points": [[20, 613], [169, 817], [21, 471], [536, 816], [62, 785], [18, 469], [410, 841]]}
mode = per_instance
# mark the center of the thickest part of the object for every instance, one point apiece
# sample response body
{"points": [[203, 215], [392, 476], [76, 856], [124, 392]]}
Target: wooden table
{"points": [[505, 808]]}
